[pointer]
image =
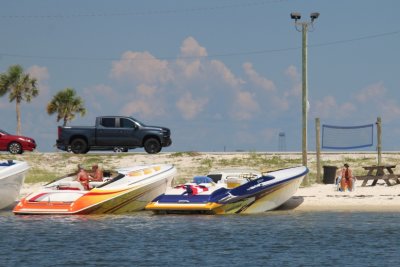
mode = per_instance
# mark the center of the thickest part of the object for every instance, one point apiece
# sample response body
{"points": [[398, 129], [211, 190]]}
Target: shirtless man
{"points": [[97, 174]]}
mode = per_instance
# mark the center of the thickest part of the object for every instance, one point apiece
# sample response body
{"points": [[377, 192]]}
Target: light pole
{"points": [[304, 27]]}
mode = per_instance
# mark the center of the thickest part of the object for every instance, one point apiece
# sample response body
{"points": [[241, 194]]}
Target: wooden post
{"points": [[318, 148], [379, 139]]}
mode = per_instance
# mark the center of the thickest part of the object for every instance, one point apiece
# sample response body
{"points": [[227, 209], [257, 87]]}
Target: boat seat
{"points": [[70, 185]]}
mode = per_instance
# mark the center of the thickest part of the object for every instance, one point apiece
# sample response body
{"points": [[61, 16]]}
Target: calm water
{"points": [[143, 239]]}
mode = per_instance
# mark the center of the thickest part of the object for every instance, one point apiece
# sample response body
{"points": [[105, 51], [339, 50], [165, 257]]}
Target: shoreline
{"points": [[325, 198]]}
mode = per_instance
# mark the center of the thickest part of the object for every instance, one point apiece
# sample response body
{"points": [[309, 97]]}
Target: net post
{"points": [[379, 139], [318, 148]]}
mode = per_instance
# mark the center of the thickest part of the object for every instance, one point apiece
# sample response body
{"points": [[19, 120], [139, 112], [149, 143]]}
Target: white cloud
{"points": [[191, 48], [94, 96], [328, 107], [245, 106], [145, 100], [194, 82], [294, 76], [190, 107], [371, 92], [374, 97], [257, 79], [222, 71], [146, 90], [390, 110], [141, 67], [144, 108]]}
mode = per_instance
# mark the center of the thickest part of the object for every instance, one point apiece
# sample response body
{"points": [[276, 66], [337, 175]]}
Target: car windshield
{"points": [[4, 132]]}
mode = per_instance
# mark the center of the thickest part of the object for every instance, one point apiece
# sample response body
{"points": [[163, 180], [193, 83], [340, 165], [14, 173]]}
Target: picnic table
{"points": [[379, 172]]}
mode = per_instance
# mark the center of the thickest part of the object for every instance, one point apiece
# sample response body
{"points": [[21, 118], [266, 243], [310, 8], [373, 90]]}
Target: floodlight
{"points": [[314, 16], [295, 15]]}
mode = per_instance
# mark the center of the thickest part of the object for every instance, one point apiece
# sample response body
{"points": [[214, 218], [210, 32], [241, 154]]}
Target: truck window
{"points": [[108, 122], [125, 123]]}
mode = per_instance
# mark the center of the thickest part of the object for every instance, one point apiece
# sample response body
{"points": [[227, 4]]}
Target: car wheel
{"points": [[152, 146], [79, 146], [118, 149], [15, 148]]}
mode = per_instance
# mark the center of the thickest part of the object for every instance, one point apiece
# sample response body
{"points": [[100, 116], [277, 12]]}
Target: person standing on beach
{"points": [[347, 178]]}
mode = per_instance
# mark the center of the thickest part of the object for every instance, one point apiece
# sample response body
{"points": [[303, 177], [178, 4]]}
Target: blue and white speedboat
{"points": [[231, 191]]}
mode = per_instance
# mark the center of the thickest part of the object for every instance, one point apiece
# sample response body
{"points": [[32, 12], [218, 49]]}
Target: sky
{"points": [[223, 75]]}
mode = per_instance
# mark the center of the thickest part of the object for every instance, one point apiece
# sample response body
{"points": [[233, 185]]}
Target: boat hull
{"points": [[105, 200], [11, 180], [260, 195], [268, 200]]}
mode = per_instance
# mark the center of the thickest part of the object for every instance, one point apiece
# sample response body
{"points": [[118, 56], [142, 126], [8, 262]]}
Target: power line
{"points": [[357, 39], [233, 54], [144, 13]]}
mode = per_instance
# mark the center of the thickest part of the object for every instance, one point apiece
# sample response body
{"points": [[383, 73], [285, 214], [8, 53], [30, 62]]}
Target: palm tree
{"points": [[20, 86], [66, 104]]}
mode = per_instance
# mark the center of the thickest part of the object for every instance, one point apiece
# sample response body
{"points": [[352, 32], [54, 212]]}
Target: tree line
{"points": [[21, 87]]}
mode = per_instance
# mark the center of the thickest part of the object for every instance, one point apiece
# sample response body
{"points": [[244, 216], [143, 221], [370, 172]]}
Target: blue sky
{"points": [[222, 74]]}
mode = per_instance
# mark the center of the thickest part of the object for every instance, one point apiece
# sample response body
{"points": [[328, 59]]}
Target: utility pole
{"points": [[303, 27]]}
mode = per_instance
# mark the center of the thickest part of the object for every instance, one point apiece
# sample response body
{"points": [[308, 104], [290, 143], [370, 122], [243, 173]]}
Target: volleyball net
{"points": [[347, 137]]}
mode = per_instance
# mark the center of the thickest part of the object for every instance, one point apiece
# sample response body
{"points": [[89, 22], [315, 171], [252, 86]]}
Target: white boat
{"points": [[126, 190], [12, 176], [231, 191]]}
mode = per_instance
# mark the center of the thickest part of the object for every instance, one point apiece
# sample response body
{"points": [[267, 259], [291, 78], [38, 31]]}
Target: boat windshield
{"points": [[116, 178]]}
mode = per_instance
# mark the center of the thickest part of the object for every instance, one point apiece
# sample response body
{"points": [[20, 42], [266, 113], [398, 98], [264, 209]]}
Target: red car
{"points": [[15, 144]]}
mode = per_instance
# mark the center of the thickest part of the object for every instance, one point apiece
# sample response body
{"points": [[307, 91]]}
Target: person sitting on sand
{"points": [[97, 174], [83, 177], [346, 178]]}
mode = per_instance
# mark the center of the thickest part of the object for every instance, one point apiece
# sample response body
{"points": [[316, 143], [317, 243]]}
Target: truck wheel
{"points": [[79, 146], [15, 148], [152, 146], [118, 149]]}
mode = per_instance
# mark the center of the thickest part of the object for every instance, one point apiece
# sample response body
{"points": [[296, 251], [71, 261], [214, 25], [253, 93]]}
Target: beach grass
{"points": [[45, 166]]}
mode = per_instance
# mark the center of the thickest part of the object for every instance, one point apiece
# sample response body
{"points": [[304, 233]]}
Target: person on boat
{"points": [[347, 179], [83, 177], [97, 174]]}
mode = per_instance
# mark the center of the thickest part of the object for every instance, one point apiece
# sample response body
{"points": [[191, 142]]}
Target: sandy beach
{"points": [[321, 197], [314, 197]]}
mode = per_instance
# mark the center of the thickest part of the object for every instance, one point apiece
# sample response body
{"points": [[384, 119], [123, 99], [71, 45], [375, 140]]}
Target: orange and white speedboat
{"points": [[125, 190]]}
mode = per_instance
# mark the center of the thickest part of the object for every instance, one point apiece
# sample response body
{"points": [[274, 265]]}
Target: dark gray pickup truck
{"points": [[116, 133]]}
